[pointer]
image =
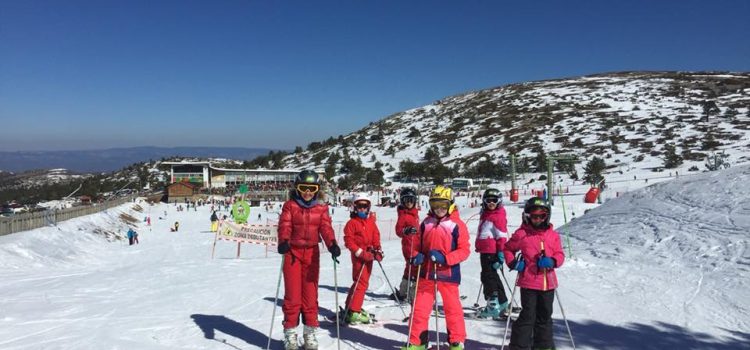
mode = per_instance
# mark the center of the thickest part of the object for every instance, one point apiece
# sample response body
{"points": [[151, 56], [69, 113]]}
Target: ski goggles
{"points": [[489, 200], [302, 188], [439, 204], [408, 199], [538, 215], [362, 205]]}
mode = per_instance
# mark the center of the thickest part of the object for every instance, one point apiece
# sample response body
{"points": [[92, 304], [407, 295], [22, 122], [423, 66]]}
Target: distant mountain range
{"points": [[105, 160]]}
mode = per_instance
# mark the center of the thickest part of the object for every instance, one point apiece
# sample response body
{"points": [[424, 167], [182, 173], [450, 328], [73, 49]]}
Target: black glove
{"points": [[409, 230], [334, 250], [284, 247]]}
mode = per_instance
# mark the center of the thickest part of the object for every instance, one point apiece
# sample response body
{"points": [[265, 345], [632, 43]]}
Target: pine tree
{"points": [[671, 158], [593, 171]]}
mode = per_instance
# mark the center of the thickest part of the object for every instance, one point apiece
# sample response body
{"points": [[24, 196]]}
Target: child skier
{"points": [[541, 254], [490, 241], [362, 238], [406, 229], [442, 244], [302, 223]]}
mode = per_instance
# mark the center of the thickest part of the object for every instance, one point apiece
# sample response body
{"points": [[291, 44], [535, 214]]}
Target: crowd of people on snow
{"points": [[433, 251]]}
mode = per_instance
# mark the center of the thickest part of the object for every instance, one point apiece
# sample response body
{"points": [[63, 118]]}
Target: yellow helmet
{"points": [[441, 192]]}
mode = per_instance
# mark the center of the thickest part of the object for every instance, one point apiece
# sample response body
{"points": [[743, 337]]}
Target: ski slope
{"points": [[663, 267]]}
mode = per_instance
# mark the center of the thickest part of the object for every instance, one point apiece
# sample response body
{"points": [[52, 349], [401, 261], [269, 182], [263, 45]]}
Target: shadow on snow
{"points": [[209, 324]]}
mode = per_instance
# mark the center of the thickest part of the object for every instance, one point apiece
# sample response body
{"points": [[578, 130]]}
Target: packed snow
{"points": [[661, 267]]}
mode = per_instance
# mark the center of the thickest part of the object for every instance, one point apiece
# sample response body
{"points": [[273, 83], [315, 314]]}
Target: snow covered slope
{"points": [[664, 267]]}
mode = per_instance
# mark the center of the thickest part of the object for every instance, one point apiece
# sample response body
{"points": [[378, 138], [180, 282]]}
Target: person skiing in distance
{"points": [[362, 238], [491, 237], [541, 253], [442, 244], [406, 229], [303, 222]]}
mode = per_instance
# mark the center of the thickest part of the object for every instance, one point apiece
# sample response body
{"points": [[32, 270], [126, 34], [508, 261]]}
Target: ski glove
{"points": [[545, 262], [284, 247], [417, 259], [377, 253], [517, 265], [409, 230], [437, 257], [366, 256], [334, 250], [500, 261]]}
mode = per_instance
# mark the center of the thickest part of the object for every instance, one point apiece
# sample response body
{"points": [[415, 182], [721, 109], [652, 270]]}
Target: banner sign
{"points": [[258, 234]]}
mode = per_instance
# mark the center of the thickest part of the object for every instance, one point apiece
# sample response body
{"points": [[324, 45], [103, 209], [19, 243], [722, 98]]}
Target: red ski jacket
{"points": [[304, 227], [361, 235], [407, 218], [530, 242]]}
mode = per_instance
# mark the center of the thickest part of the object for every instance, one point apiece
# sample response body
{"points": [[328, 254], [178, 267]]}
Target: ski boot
{"points": [[492, 310], [290, 339], [358, 317], [311, 342], [414, 347], [456, 346]]}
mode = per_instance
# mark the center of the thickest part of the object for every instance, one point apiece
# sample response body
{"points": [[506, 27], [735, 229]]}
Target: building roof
{"points": [[260, 171]]}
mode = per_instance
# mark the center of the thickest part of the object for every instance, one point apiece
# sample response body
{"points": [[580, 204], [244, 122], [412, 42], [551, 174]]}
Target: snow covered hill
{"points": [[629, 119], [663, 267]]}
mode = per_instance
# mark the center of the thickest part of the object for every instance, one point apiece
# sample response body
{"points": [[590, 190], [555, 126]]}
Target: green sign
{"points": [[243, 188], [240, 212]]}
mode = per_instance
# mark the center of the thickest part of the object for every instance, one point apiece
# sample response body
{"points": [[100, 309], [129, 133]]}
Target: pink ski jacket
{"points": [[529, 242], [492, 232]]}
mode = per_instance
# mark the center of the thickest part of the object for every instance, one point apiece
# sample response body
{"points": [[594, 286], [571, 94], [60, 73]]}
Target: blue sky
{"points": [[276, 74]]}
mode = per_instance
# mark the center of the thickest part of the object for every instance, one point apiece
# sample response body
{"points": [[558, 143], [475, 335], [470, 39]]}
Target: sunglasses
{"points": [[538, 216], [361, 205], [308, 188], [489, 200], [440, 204]]}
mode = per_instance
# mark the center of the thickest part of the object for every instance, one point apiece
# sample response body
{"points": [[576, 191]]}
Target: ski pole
{"points": [[502, 273], [566, 319], [411, 315], [437, 324], [408, 285], [507, 322], [336, 292], [275, 301], [392, 289], [349, 299], [481, 286]]}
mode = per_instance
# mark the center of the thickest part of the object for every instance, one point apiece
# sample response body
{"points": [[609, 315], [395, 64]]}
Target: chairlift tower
{"points": [[550, 167]]}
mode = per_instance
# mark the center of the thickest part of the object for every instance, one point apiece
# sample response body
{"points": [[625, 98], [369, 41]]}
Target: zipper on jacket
{"points": [[545, 270]]}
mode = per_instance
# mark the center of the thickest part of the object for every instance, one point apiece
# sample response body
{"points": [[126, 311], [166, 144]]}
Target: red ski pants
{"points": [[424, 305], [301, 270], [357, 291]]}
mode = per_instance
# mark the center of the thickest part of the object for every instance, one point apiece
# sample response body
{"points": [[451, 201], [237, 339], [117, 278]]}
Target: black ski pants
{"points": [[490, 279], [533, 328]]}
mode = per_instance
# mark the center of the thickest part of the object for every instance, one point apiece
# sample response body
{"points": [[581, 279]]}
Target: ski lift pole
{"points": [[565, 217]]}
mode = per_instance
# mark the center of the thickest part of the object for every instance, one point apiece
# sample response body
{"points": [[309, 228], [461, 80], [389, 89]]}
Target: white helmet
{"points": [[358, 197]]}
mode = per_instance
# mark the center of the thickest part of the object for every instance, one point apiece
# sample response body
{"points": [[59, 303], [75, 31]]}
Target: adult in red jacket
{"points": [[443, 243], [491, 237], [362, 238], [406, 229], [541, 253], [302, 224]]}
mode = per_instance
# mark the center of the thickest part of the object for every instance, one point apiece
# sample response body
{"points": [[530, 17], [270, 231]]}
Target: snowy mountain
{"points": [[630, 119], [662, 267]]}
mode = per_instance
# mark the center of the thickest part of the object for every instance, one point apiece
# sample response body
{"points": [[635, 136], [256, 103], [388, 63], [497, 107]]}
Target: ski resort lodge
{"points": [[205, 175]]}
